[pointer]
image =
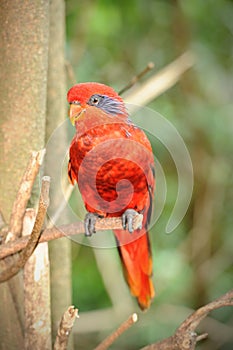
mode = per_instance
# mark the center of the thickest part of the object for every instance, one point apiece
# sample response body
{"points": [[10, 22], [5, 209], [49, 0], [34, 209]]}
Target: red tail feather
{"points": [[137, 266]]}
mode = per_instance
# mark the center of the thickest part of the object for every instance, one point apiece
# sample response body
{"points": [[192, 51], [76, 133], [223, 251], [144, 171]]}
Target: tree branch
{"points": [[196, 317], [137, 77], [65, 328], [66, 230], [161, 81], [13, 269], [23, 195], [121, 329], [185, 337]]}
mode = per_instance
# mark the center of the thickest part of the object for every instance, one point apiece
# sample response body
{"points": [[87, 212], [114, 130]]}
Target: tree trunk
{"points": [[59, 250], [23, 67]]}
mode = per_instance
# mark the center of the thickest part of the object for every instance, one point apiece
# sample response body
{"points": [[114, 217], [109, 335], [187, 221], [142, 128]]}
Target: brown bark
{"points": [[23, 71], [65, 328], [23, 67], [36, 294]]}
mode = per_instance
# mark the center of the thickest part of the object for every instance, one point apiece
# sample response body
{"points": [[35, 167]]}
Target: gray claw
{"points": [[89, 224], [127, 219]]}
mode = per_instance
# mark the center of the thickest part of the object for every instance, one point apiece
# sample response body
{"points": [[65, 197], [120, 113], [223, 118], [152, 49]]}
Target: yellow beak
{"points": [[76, 112]]}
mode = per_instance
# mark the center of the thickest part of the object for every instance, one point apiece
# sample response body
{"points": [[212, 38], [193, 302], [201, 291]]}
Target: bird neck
{"points": [[97, 118]]}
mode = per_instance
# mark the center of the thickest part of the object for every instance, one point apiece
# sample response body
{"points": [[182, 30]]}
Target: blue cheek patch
{"points": [[111, 106]]}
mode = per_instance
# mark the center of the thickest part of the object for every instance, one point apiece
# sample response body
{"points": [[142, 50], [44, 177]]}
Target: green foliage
{"points": [[88, 288], [111, 41]]}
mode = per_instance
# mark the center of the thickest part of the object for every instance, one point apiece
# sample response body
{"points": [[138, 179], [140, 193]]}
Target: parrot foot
{"points": [[127, 219], [89, 224]]}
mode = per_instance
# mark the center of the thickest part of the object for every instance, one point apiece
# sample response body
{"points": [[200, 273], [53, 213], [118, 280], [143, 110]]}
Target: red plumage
{"points": [[111, 160]]}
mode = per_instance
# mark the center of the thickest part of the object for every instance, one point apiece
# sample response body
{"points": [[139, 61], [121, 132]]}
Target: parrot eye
{"points": [[95, 100]]}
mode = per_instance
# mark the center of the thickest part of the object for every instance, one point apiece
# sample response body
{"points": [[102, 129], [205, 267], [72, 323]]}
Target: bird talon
{"points": [[127, 219], [89, 224], [123, 218]]}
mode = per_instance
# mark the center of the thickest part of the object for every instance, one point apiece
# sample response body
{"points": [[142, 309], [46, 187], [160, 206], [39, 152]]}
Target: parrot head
{"points": [[84, 96]]}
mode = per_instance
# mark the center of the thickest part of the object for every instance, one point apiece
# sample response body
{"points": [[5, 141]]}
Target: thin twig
{"points": [[202, 337], [66, 230], [23, 195], [137, 77], [161, 81], [112, 337], [65, 328], [13, 269]]}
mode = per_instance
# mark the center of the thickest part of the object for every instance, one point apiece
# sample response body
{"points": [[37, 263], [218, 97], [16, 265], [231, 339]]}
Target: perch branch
{"points": [[65, 328], [185, 337], [23, 195], [161, 81], [66, 230], [13, 269], [112, 337], [137, 77]]}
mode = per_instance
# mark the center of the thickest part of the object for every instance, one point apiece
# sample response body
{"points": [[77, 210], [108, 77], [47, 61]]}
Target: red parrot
{"points": [[112, 162]]}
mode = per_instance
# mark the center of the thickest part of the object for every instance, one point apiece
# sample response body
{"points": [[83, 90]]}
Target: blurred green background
{"points": [[110, 42]]}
